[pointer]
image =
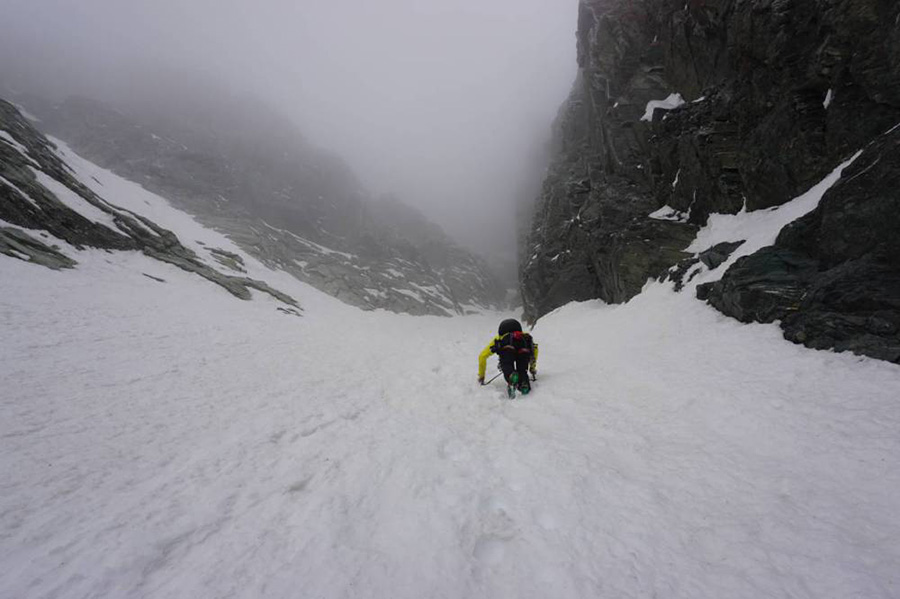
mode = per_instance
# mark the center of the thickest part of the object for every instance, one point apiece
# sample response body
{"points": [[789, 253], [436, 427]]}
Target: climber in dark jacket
{"points": [[518, 354]]}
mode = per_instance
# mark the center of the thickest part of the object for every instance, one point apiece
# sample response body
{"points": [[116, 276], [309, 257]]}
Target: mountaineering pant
{"points": [[511, 361]]}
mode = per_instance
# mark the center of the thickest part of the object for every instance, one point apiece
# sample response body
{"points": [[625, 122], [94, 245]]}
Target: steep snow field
{"points": [[168, 440]]}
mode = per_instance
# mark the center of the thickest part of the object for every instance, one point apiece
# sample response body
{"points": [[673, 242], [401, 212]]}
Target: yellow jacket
{"points": [[486, 353]]}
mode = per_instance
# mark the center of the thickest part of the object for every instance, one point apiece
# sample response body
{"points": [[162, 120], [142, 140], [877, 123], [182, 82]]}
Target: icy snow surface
{"points": [[168, 440]]}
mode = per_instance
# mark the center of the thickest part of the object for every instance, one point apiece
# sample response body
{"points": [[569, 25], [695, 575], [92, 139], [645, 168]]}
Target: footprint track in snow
{"points": [[453, 450], [498, 529], [546, 520], [490, 550]]}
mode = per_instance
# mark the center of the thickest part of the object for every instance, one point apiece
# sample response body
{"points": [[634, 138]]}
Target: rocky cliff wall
{"points": [[683, 109]]}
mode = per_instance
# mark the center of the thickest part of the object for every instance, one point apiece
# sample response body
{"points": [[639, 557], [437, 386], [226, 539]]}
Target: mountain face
{"points": [[247, 172], [43, 201], [683, 110]]}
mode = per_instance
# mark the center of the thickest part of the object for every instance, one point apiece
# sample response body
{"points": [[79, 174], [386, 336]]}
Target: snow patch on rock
{"points": [[670, 103]]}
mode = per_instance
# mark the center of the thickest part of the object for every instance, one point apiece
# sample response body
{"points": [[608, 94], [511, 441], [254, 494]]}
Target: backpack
{"points": [[514, 341]]}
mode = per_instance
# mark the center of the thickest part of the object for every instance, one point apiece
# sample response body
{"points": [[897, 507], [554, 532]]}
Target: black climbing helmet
{"points": [[509, 325]]}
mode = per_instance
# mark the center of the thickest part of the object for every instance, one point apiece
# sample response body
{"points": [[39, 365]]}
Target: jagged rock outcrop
{"points": [[712, 258], [686, 109], [248, 173], [41, 200], [833, 277]]}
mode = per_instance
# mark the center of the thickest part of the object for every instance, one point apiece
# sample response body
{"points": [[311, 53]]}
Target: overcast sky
{"points": [[443, 103]]}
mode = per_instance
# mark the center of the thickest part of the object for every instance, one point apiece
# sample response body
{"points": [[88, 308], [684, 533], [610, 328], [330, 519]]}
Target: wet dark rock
{"points": [[228, 259], [591, 235], [19, 244], [833, 277], [711, 258], [715, 256], [677, 273], [762, 287]]}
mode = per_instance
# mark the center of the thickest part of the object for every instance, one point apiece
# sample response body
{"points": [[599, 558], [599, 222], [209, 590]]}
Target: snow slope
{"points": [[168, 440]]}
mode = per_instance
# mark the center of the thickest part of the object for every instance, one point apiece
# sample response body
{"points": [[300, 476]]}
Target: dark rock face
{"points": [[833, 277], [591, 236], [711, 258], [29, 210], [715, 256], [19, 244], [772, 96], [248, 173], [762, 287]]}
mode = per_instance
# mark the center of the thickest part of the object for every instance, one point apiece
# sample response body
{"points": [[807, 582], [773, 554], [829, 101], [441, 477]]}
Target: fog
{"points": [[446, 104]]}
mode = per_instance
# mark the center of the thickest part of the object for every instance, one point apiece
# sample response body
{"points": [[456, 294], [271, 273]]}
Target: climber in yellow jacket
{"points": [[518, 354]]}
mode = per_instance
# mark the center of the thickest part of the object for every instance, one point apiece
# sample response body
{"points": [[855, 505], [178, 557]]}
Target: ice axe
{"points": [[533, 378], [492, 380]]}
